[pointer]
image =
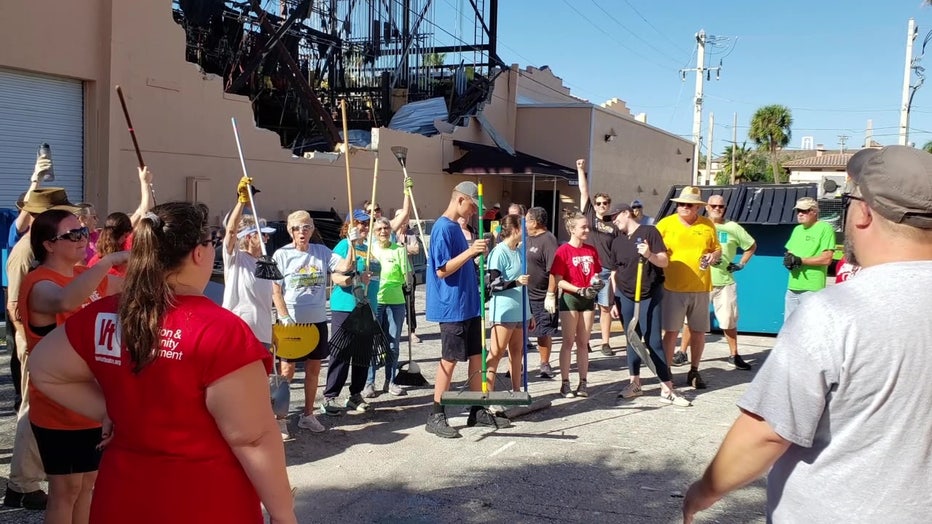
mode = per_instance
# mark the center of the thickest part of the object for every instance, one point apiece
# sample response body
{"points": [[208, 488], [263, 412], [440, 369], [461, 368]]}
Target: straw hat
{"points": [[689, 195], [46, 198]]}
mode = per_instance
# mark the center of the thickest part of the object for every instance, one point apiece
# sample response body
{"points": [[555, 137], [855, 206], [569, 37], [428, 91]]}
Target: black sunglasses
{"points": [[716, 206], [846, 199], [603, 202], [683, 204], [74, 235]]}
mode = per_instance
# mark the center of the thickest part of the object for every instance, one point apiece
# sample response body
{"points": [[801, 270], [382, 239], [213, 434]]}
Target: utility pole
{"points": [[869, 133], [842, 139], [734, 145], [911, 32], [701, 71], [708, 158]]}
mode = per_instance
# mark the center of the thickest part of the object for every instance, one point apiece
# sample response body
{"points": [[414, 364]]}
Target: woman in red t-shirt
{"points": [[113, 238], [49, 294], [576, 270], [182, 384]]}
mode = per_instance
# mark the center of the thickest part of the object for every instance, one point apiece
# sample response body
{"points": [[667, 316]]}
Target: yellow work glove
{"points": [[242, 189], [409, 185]]}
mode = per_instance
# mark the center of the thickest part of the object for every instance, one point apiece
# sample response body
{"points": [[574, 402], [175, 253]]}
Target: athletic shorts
{"points": [[322, 351], [545, 324], [573, 302], [460, 340], [725, 303], [67, 451], [693, 307]]}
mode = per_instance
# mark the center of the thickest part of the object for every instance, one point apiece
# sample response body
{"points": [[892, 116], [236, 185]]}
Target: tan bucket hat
{"points": [[46, 198], [689, 195]]}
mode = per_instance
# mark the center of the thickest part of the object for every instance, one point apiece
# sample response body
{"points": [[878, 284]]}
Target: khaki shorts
{"points": [[725, 304], [694, 307]]}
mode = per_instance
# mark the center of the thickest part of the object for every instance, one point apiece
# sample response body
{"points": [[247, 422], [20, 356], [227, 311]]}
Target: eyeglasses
{"points": [[603, 202], [807, 211], [305, 227], [376, 210], [683, 204], [74, 235], [846, 199], [716, 206]]}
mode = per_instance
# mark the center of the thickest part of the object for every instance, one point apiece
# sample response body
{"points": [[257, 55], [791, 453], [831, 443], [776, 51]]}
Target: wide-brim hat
{"points": [[46, 198], [689, 195]]}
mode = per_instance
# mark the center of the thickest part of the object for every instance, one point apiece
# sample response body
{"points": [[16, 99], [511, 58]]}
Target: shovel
{"points": [[634, 339], [279, 390]]}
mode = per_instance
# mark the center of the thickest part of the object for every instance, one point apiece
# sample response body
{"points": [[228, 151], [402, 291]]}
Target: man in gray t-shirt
{"points": [[839, 411]]}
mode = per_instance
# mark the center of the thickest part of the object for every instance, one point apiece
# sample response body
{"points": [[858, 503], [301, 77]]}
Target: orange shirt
{"points": [[43, 411]]}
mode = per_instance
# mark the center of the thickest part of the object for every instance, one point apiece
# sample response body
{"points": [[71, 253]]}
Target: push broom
{"points": [[266, 268]]}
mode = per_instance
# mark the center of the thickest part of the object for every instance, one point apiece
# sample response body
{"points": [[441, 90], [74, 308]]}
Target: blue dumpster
{"points": [[766, 212]]}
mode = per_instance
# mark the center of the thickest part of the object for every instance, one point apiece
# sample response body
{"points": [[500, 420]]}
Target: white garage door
{"points": [[36, 109]]}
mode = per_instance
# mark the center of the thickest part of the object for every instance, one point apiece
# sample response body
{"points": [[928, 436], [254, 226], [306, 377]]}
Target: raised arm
{"points": [[24, 220], [402, 218], [48, 298], [232, 225], [583, 184], [146, 202]]}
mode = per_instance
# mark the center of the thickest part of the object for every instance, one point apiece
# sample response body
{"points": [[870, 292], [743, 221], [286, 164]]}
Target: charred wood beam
{"points": [[331, 134]]}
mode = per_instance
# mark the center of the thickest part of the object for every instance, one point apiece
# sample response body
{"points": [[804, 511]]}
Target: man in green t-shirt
{"points": [[724, 294], [808, 253]]}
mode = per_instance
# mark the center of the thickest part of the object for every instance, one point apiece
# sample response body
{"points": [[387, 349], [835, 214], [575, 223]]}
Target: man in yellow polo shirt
{"points": [[693, 247]]}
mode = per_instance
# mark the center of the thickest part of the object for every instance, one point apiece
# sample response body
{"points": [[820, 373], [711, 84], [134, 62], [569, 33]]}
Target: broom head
{"points": [[411, 376], [267, 269]]}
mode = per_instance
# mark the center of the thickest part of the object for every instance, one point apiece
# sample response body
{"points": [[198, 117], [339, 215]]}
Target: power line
{"points": [[635, 35], [677, 46]]}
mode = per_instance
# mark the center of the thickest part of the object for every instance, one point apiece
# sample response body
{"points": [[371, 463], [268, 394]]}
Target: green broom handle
{"points": [[485, 383]]}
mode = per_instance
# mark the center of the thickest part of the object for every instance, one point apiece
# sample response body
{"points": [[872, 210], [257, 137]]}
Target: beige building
{"points": [[59, 65]]}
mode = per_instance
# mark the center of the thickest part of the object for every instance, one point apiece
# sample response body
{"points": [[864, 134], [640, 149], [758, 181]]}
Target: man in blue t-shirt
{"points": [[453, 301]]}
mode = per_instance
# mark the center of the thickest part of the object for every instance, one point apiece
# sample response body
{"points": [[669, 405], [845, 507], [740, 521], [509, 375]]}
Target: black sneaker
{"points": [[607, 350], [582, 390], [486, 419], [437, 424], [680, 358], [738, 363], [34, 500], [694, 380], [566, 390]]}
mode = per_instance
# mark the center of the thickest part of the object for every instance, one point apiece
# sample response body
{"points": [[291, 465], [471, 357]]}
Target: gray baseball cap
{"points": [[896, 181], [470, 190]]}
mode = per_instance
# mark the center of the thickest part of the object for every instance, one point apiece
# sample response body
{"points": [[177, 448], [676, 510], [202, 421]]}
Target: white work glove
{"points": [[550, 303], [352, 234], [286, 320]]}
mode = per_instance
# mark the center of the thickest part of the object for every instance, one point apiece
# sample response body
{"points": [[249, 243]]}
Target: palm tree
{"points": [[770, 130], [928, 145], [741, 155]]}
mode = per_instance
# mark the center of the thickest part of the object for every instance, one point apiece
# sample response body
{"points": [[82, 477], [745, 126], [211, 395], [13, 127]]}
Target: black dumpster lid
{"points": [[770, 204]]}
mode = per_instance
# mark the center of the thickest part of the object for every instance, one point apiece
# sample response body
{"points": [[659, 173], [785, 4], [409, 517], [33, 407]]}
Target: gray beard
{"points": [[849, 249]]}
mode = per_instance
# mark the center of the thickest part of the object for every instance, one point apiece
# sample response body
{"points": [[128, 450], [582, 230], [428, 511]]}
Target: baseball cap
{"points": [[252, 229], [895, 181], [469, 189], [617, 209], [805, 204], [360, 216], [636, 203]]}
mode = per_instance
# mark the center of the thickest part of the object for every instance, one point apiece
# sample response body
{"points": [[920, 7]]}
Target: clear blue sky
{"points": [[834, 64]]}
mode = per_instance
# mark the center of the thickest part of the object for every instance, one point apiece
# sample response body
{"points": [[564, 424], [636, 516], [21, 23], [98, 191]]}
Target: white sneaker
{"points": [[283, 427], [674, 397], [311, 423]]}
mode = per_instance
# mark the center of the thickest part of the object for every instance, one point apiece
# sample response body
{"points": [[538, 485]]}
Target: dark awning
{"points": [[489, 160], [753, 203]]}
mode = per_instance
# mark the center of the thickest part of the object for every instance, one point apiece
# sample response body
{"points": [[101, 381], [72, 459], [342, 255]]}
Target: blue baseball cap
{"points": [[360, 216], [636, 203]]}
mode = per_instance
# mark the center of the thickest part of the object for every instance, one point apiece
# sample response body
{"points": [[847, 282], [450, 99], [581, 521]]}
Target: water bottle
{"points": [[45, 151]]}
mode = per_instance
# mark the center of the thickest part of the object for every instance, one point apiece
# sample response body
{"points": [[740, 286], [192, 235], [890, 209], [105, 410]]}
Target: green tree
{"points": [[750, 166], [770, 130], [434, 59], [928, 145]]}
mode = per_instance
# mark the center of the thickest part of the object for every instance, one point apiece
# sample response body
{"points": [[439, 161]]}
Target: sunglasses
{"points": [[682, 204], [716, 206], [846, 199], [807, 211], [376, 210], [603, 202], [305, 227], [74, 235]]}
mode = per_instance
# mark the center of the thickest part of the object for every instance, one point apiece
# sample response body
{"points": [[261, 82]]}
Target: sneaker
{"points": [[396, 390], [582, 390], [331, 407], [694, 380], [34, 500], [545, 371], [674, 397], [607, 350], [498, 411], [738, 363], [679, 358], [566, 390], [369, 391], [415, 339], [310, 422], [437, 424], [632, 390], [283, 427], [485, 418], [358, 404]]}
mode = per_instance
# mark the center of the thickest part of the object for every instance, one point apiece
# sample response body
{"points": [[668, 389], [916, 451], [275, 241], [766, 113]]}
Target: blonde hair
{"points": [[569, 217], [299, 217]]}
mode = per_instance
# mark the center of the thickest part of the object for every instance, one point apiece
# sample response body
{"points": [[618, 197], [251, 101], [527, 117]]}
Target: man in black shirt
{"points": [[541, 246], [601, 234]]}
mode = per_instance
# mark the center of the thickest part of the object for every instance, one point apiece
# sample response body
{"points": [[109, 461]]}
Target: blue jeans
{"points": [[649, 322], [792, 301], [391, 317], [603, 298]]}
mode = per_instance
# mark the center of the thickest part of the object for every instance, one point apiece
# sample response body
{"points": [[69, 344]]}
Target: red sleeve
{"points": [[559, 264], [226, 345]]}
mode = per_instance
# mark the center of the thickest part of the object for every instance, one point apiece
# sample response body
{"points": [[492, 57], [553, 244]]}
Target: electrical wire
{"points": [[635, 35], [652, 25]]}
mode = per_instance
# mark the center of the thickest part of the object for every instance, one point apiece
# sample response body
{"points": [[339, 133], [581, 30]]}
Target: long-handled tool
{"points": [[634, 338], [132, 134], [412, 375], [524, 307], [266, 267], [401, 153]]}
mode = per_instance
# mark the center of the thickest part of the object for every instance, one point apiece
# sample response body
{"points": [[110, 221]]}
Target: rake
{"points": [[401, 153]]}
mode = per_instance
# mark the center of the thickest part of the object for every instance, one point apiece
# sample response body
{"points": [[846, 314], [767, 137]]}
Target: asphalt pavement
{"points": [[600, 459]]}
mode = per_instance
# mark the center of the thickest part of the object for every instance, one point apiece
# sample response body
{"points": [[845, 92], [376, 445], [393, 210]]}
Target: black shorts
{"points": [[460, 340], [322, 351], [545, 324], [573, 302], [67, 451]]}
